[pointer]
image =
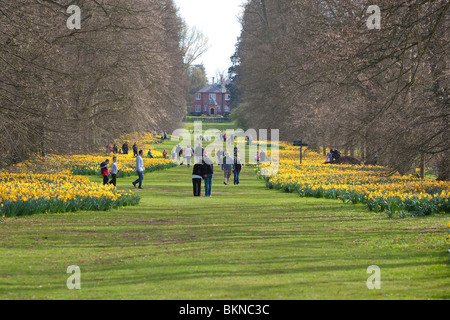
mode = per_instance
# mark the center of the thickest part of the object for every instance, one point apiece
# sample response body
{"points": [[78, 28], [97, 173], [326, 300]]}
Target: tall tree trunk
{"points": [[422, 166]]}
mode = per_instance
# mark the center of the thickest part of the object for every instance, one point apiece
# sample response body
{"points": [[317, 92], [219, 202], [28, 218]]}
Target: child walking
{"points": [[104, 171], [113, 172]]}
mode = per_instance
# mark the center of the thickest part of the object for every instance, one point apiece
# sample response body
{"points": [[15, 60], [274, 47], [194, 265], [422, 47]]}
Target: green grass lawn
{"points": [[246, 242], [211, 125]]}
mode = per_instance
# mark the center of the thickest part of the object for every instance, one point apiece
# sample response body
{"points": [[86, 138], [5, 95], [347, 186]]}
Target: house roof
{"points": [[213, 88]]}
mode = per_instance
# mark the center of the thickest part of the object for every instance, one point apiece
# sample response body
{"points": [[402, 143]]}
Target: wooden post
{"points": [[301, 148], [299, 143]]}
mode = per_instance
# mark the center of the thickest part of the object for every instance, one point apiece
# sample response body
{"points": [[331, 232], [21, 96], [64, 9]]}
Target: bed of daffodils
{"points": [[57, 183], [370, 185], [25, 194], [89, 164]]}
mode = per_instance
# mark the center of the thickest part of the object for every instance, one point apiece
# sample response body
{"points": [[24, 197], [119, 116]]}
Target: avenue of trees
{"points": [[316, 71], [65, 91]]}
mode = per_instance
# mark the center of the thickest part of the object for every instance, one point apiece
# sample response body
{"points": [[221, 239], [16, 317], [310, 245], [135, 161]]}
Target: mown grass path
{"points": [[246, 242]]}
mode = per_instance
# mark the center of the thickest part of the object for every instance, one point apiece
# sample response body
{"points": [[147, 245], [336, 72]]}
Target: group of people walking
{"points": [[125, 149], [186, 153], [202, 170], [205, 171], [162, 134], [113, 171], [115, 149]]}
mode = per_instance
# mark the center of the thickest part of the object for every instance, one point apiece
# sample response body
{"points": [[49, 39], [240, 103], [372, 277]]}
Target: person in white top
{"points": [[188, 153], [113, 171], [140, 170]]}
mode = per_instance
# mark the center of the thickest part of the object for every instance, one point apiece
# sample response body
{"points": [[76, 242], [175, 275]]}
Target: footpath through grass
{"points": [[246, 242]]}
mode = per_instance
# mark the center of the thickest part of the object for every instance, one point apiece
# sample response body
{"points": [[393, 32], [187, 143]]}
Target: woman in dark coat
{"points": [[197, 176]]}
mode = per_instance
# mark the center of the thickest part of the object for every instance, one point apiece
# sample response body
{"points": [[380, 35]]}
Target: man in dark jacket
{"points": [[237, 167]]}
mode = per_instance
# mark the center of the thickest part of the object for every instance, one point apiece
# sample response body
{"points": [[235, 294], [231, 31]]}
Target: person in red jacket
{"points": [[105, 172]]}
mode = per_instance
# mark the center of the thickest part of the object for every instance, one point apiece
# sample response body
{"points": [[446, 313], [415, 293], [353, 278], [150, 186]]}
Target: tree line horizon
{"points": [[312, 69]]}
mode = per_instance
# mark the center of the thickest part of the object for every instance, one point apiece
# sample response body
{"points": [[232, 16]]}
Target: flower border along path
{"points": [[54, 184], [369, 185]]}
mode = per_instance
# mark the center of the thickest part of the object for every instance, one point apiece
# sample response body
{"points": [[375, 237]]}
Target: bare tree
{"points": [[67, 90], [337, 83], [194, 44]]}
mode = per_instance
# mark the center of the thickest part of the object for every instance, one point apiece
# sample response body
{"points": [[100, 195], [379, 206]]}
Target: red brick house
{"points": [[213, 100]]}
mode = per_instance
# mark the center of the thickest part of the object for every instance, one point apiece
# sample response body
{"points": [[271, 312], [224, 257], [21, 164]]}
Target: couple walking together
{"points": [[205, 170]]}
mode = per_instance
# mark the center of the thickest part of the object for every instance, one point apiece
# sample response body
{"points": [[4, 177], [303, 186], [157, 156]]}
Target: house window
{"points": [[227, 97], [227, 109], [218, 108], [198, 108], [205, 108], [212, 96], [199, 96]]}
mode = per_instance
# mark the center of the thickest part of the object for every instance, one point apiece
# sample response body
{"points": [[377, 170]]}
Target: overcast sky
{"points": [[218, 19]]}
